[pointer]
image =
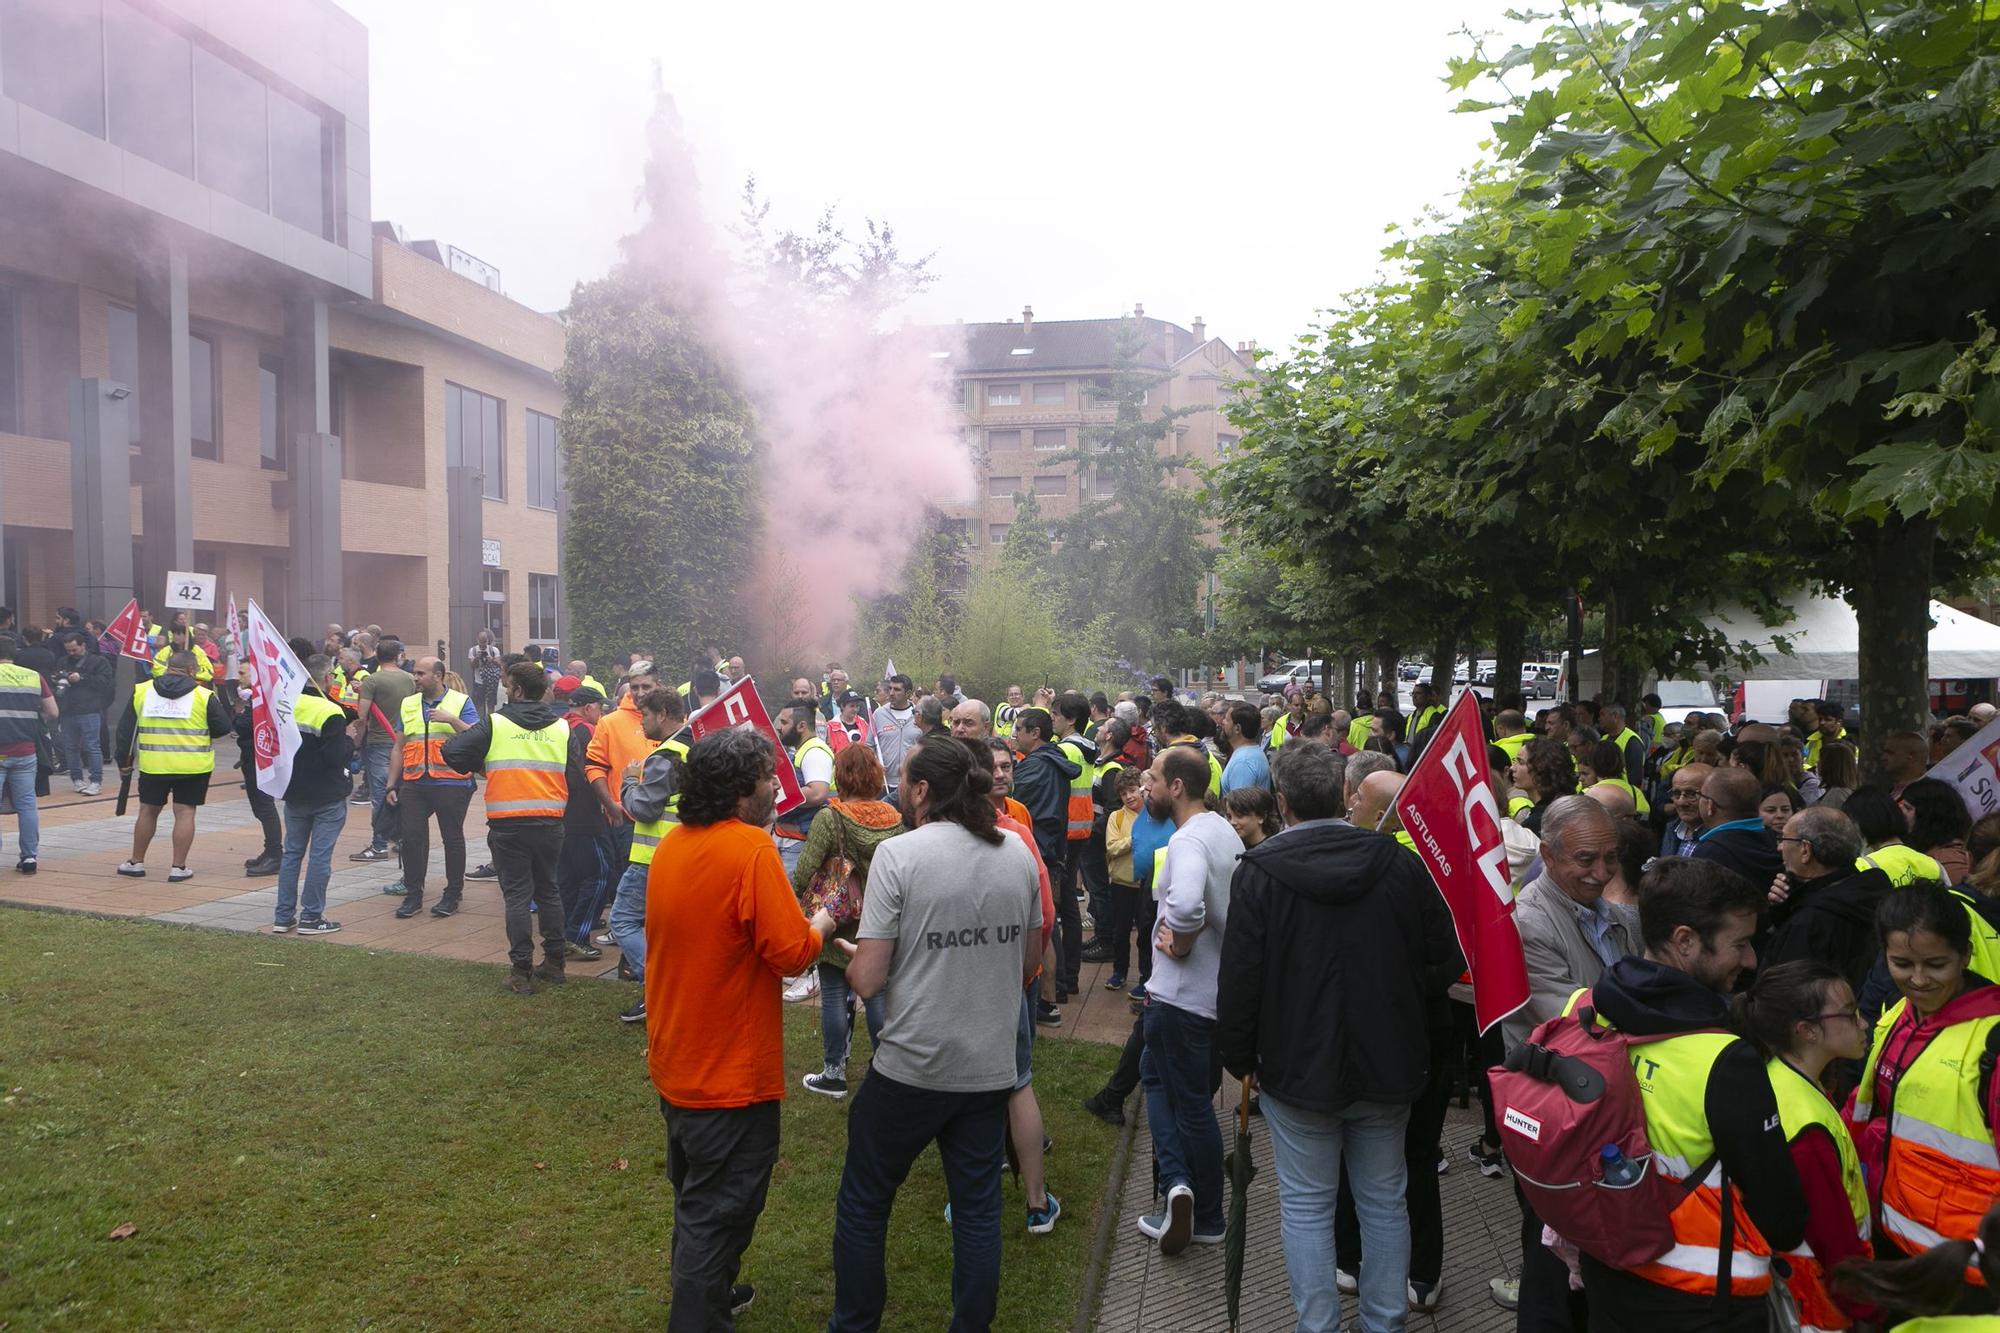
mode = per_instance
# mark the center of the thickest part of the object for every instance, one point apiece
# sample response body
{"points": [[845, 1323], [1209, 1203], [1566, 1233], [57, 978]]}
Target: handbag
{"points": [[836, 886]]}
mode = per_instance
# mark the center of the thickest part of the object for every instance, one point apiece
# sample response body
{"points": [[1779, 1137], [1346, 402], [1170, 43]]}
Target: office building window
{"points": [[996, 533], [123, 330], [997, 440], [298, 155], [541, 461], [52, 59], [494, 594], [1101, 485], [1047, 485], [234, 153], [10, 362], [1223, 444], [1050, 395], [1048, 440], [472, 437], [542, 626], [272, 455], [203, 441], [959, 530], [149, 73], [1002, 488], [1003, 395]]}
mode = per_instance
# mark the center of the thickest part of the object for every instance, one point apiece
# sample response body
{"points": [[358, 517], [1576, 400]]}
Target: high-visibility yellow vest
{"points": [[313, 711], [20, 704], [1940, 1173], [1108, 769], [1425, 718], [1638, 798], [1659, 729], [1079, 790], [1672, 763], [1281, 730], [204, 670], [1623, 739], [1357, 731], [1801, 1105], [1003, 719], [1904, 865], [1517, 805], [1813, 743], [794, 823], [646, 833], [1511, 745], [525, 770], [595, 684], [172, 746], [423, 740]]}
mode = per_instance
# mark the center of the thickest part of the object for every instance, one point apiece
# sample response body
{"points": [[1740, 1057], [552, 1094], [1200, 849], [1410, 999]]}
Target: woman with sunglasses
{"points": [[1803, 1017], [1920, 1114]]}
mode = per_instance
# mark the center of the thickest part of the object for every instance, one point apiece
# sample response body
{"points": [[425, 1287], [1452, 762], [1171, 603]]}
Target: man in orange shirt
{"points": [[722, 932], [619, 739]]}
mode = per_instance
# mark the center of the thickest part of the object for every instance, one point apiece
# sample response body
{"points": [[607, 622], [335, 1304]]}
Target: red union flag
{"points": [[127, 634], [1447, 806], [739, 706]]}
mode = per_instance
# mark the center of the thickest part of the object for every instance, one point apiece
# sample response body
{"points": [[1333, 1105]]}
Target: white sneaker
{"points": [[132, 869], [802, 988], [91, 788], [1346, 1283], [175, 874], [77, 786]]}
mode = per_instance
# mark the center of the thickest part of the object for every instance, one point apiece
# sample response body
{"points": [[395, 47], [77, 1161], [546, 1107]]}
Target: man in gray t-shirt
{"points": [[959, 911]]}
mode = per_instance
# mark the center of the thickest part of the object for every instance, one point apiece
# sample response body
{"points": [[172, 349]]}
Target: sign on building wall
{"points": [[190, 592], [489, 552]]}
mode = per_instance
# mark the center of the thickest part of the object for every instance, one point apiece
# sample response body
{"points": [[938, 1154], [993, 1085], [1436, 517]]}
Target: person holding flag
{"points": [[168, 733], [315, 804]]}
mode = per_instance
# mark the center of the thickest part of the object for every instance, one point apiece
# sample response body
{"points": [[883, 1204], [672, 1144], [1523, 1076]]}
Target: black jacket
{"points": [[319, 768], [1830, 919], [466, 751], [170, 686], [40, 659], [91, 692], [1329, 965], [1750, 852], [1649, 999], [1041, 782]]}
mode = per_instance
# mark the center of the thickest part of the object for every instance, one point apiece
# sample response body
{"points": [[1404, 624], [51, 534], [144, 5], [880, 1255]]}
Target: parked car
{"points": [[1538, 679], [1299, 671], [1414, 670]]}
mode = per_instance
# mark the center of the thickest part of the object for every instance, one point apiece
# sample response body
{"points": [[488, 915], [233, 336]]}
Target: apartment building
{"points": [[211, 359], [1027, 391]]}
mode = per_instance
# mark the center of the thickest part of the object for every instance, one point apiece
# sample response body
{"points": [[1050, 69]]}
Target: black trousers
{"points": [[1131, 906], [1420, 1192], [1069, 919], [416, 804], [719, 1164], [1547, 1304], [266, 811], [1622, 1302], [525, 859], [1097, 879], [581, 871]]}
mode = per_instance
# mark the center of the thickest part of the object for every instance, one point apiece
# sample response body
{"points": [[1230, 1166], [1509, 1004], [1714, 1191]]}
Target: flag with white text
{"points": [[279, 677]]}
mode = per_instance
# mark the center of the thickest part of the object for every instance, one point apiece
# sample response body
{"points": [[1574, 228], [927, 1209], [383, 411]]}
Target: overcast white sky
{"points": [[1238, 164]]}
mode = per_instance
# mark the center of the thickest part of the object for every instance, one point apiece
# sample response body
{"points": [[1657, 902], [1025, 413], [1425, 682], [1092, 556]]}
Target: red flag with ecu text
{"points": [[1447, 807], [739, 706]]}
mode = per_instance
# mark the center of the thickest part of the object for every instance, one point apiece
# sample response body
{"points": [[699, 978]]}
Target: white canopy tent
{"points": [[1825, 642]]}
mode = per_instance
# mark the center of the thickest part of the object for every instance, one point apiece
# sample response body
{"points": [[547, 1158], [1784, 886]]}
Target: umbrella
{"points": [[1236, 1236]]}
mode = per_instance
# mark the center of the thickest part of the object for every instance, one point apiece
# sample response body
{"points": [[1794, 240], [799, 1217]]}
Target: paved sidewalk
{"points": [[1144, 1293]]}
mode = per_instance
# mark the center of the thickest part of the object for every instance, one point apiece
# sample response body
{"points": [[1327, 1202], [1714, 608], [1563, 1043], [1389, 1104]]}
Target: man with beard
{"points": [[812, 760]]}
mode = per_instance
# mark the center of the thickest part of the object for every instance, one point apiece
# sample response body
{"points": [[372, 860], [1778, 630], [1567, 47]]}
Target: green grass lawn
{"points": [[311, 1136]]}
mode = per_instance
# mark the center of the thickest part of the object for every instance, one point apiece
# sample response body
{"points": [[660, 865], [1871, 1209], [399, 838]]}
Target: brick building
{"points": [[211, 359], [1027, 389]]}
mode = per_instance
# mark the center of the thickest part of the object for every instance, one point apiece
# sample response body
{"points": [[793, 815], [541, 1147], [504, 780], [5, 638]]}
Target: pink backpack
{"points": [[1562, 1098]]}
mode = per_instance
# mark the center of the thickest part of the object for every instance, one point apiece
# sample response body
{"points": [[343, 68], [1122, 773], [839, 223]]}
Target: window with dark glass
{"points": [[51, 58], [473, 439], [10, 361], [541, 460], [122, 329], [298, 154], [233, 154], [202, 439], [149, 74], [542, 617], [271, 451]]}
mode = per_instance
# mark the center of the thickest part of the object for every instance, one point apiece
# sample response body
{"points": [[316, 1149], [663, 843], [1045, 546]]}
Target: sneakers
{"points": [[1173, 1228], [261, 866], [283, 927], [1138, 992], [132, 869], [1100, 1105], [572, 949], [178, 874], [636, 1014], [410, 907], [483, 872], [1505, 1291], [517, 983], [394, 889], [446, 906], [1115, 982], [90, 789], [1444, 1165], [26, 865], [1489, 1163], [602, 939], [1047, 1014], [829, 1082], [1346, 1283], [1042, 1220], [740, 1297], [319, 925], [369, 854], [1423, 1296], [802, 987]]}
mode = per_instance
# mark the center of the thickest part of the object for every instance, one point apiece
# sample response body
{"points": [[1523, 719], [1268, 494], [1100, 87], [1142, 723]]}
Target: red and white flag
{"points": [[279, 678], [127, 634], [739, 706], [1447, 807], [232, 640]]}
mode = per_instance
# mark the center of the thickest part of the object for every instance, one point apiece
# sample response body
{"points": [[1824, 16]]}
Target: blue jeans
{"points": [[628, 919], [17, 775], [310, 832], [836, 1016], [888, 1127], [375, 758], [1187, 1141], [1307, 1147], [82, 744]]}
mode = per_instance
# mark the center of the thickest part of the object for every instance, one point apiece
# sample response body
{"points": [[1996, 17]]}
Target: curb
{"points": [[1094, 1268]]}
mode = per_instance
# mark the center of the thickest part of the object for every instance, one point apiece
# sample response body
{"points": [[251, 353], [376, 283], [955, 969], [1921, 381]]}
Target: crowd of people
{"points": [[1803, 961]]}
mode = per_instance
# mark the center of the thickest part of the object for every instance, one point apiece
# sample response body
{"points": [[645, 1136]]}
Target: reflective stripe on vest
{"points": [[173, 746], [525, 770], [423, 740], [1079, 790], [1940, 1173], [646, 833], [20, 704], [1801, 1106]]}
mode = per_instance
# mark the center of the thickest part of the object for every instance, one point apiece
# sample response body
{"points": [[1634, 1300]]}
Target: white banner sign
{"points": [[280, 677], [190, 592], [1974, 768]]}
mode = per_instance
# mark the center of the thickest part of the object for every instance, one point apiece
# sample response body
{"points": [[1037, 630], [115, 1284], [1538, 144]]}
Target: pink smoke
{"points": [[858, 436]]}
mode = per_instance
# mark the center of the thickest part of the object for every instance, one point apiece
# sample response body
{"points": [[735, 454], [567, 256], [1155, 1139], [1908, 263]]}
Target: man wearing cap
{"points": [[423, 786], [847, 726]]}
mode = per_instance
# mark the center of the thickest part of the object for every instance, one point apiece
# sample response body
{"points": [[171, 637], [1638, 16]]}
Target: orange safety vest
{"points": [[525, 776], [423, 741], [1081, 812]]}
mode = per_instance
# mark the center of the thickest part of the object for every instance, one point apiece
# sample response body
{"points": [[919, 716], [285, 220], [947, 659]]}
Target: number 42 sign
{"points": [[190, 592]]}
